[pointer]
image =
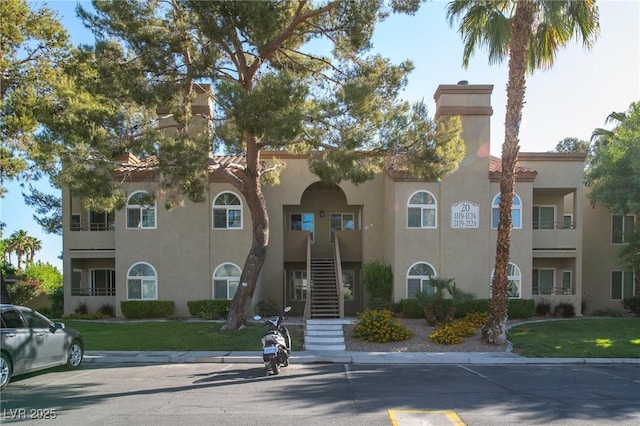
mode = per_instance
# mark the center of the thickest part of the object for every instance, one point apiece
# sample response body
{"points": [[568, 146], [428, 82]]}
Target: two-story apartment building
{"points": [[321, 235]]}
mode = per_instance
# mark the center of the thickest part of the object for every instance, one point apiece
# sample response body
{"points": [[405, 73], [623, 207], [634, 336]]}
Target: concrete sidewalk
{"points": [[338, 357]]}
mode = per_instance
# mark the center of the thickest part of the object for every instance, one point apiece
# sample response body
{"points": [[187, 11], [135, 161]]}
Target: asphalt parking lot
{"points": [[322, 394]]}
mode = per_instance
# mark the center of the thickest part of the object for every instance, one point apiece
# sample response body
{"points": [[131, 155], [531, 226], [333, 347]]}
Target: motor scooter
{"points": [[276, 343]]}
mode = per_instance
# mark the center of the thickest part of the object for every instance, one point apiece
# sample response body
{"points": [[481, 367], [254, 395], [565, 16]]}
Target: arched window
{"points": [[142, 282], [225, 281], [516, 212], [514, 276], [418, 279], [422, 210], [227, 211], [140, 212]]}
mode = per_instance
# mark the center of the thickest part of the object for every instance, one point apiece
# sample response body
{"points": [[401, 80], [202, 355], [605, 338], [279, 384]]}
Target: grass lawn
{"points": [[172, 336], [571, 338], [578, 338]]}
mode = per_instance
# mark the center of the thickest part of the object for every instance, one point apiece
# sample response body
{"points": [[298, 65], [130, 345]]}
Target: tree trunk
{"points": [[495, 332], [252, 191], [4, 294]]}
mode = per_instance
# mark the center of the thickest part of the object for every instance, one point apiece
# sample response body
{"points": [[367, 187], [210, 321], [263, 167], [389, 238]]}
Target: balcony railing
{"points": [[88, 226], [562, 291], [93, 291], [554, 225]]}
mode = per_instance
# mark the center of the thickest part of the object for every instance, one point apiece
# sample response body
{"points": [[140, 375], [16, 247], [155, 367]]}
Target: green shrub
{"points": [[57, 302], [473, 305], [520, 308], [543, 308], [82, 307], [267, 308], [108, 310], [23, 291], [93, 316], [411, 309], [565, 310], [378, 282], [209, 309], [138, 309], [378, 325], [632, 304], [607, 313]]}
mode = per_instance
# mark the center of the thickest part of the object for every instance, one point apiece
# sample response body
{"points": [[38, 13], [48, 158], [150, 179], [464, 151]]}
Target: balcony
{"points": [[91, 236], [555, 239]]}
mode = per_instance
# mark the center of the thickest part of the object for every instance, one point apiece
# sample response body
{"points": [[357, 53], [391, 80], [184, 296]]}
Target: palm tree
{"points": [[18, 243], [33, 245], [529, 33]]}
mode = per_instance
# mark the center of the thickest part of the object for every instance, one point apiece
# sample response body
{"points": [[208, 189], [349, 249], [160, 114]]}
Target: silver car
{"points": [[31, 341]]}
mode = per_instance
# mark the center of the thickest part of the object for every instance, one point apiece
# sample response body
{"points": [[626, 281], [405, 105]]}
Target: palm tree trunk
{"points": [[495, 332]]}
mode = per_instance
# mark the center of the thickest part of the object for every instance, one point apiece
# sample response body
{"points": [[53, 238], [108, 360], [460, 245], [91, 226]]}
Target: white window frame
{"points": [[231, 280], [567, 288], [142, 209], [144, 279], [227, 208], [623, 230], [514, 277], [424, 207], [425, 287], [516, 209], [630, 282]]}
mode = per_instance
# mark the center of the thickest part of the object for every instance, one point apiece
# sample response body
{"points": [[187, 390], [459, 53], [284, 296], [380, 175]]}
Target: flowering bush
{"points": [[453, 333], [378, 325]]}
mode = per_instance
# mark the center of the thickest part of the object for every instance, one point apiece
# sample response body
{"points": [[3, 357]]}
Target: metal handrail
{"points": [[339, 283], [307, 304]]}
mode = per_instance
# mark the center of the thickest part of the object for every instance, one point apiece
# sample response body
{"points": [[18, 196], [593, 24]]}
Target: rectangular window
{"points": [[76, 283], [76, 222], [414, 217], [621, 228], [133, 217], [224, 289], [567, 282], [302, 222], [567, 221], [348, 279], [622, 285], [543, 281], [298, 285], [148, 218], [103, 282], [544, 217]]}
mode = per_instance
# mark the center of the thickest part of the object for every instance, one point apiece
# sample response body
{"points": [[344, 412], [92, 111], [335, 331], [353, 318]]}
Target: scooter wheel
{"points": [[275, 369], [285, 363]]}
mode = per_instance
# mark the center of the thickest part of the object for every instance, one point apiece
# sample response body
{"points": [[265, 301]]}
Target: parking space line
{"points": [[418, 417]]}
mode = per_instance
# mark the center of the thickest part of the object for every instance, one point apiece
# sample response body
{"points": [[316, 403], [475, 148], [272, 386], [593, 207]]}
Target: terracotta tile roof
{"points": [[495, 169]]}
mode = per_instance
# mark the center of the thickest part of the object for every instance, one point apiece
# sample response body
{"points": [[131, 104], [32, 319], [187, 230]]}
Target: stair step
{"points": [[314, 347], [324, 340]]}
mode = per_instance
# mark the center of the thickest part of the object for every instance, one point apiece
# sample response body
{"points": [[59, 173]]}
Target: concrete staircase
{"points": [[324, 335]]}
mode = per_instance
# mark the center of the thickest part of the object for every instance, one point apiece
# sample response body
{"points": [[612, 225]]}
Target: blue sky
{"points": [[569, 100]]}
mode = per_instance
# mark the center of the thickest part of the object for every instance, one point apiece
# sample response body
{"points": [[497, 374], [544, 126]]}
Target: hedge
{"points": [[517, 308], [139, 309], [209, 309]]}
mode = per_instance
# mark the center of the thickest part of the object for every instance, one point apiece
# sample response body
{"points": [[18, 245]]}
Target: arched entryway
{"points": [[323, 217]]}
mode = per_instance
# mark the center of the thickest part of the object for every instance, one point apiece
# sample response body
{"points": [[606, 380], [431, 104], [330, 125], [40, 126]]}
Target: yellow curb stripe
{"points": [[451, 415]]}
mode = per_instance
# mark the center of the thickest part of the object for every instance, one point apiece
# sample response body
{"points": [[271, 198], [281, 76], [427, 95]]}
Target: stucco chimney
{"points": [[463, 99]]}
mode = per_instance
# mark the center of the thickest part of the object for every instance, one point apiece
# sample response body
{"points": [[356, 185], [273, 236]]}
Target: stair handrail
{"points": [[307, 304], [339, 283]]}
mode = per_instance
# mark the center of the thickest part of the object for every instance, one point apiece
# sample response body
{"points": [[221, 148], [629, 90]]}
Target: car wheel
{"points": [[75, 355], [5, 371]]}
